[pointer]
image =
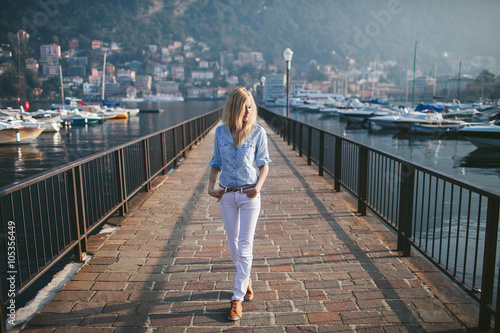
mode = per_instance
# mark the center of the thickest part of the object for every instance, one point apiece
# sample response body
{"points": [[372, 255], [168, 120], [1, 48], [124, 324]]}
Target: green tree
{"points": [[313, 74], [485, 77]]}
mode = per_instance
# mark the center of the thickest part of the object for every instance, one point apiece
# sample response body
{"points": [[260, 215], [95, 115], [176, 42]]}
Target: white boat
{"points": [[403, 121], [50, 120], [364, 114], [17, 132], [113, 113], [76, 117], [132, 112], [318, 95], [435, 128], [292, 101], [172, 97], [70, 103], [483, 136], [329, 111], [118, 112]]}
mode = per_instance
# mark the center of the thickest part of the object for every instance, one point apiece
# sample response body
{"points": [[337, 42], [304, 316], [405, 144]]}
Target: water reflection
{"points": [[482, 158]]}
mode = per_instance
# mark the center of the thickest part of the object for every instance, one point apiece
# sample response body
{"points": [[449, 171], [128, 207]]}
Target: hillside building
{"points": [[50, 54], [200, 74], [143, 82], [177, 72], [32, 64], [125, 76], [274, 87], [165, 87]]}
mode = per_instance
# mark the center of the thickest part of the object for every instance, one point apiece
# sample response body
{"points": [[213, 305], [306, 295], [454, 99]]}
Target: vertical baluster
{"points": [[405, 208], [458, 230], [33, 228], [321, 152], [338, 163], [489, 264], [362, 179]]}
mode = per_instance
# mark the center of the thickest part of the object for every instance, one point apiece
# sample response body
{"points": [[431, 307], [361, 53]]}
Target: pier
{"points": [[319, 265]]}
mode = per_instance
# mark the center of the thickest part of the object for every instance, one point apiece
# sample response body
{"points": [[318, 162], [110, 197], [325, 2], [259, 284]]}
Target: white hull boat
{"points": [[435, 128], [403, 121], [483, 136], [363, 115], [17, 133]]}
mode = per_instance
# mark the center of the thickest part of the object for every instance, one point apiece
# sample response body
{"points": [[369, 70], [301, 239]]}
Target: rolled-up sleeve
{"points": [[261, 151], [216, 161]]}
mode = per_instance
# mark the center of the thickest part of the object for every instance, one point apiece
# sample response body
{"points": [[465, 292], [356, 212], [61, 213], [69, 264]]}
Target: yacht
{"points": [[483, 136], [18, 131], [362, 115], [404, 120]]}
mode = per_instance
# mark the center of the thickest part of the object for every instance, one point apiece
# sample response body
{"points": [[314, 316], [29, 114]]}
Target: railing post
{"points": [[497, 307], [309, 145], [338, 163], [3, 313], [294, 133], [407, 186], [147, 171], [301, 129], [288, 130], [362, 179], [174, 144], [120, 171], [489, 265], [163, 149], [321, 152], [191, 135], [184, 142], [77, 213]]}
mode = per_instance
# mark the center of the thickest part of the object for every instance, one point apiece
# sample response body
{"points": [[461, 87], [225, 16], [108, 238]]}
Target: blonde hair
{"points": [[232, 114]]}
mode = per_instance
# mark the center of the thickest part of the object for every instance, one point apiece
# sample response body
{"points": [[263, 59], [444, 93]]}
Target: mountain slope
{"points": [[325, 30]]}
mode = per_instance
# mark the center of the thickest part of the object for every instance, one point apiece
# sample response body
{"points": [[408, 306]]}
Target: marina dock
{"points": [[318, 266]]}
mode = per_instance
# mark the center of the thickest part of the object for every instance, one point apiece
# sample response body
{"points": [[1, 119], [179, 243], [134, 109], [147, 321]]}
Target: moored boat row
{"points": [[19, 127], [475, 122]]}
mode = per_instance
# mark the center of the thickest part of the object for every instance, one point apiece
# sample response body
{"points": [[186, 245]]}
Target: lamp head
{"points": [[287, 55]]}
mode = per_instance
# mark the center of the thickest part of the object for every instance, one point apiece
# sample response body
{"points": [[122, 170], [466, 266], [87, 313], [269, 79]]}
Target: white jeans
{"points": [[240, 214]]}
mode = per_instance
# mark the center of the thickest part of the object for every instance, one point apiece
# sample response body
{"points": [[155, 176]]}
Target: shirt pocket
{"points": [[224, 147], [247, 149]]}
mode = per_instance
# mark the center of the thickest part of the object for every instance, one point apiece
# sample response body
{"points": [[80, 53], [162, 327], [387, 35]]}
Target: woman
{"points": [[241, 160]]}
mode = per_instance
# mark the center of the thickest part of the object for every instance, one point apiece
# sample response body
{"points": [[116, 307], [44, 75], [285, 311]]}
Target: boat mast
{"points": [[19, 66], [374, 76], [435, 75], [414, 65], [62, 88], [104, 76], [458, 87], [406, 83]]}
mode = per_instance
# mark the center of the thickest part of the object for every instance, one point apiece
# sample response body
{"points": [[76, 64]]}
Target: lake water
{"points": [[51, 150], [455, 157]]}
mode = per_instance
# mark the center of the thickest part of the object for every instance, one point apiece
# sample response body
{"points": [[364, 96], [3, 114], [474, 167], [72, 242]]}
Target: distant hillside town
{"points": [[184, 70]]}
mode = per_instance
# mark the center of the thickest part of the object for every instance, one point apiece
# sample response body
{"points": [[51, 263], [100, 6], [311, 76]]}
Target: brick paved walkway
{"points": [[317, 266]]}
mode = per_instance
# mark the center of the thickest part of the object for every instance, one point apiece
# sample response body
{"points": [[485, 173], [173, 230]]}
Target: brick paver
{"points": [[318, 267]]}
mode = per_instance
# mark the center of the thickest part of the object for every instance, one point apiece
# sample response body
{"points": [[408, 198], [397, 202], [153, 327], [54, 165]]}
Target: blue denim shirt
{"points": [[239, 165]]}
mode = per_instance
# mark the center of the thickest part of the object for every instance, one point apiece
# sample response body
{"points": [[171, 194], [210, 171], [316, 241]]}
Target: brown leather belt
{"points": [[227, 189]]}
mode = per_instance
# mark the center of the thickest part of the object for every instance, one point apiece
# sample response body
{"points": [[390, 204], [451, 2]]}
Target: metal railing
{"points": [[451, 223], [46, 217]]}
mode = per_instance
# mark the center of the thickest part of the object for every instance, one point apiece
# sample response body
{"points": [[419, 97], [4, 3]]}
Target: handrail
{"points": [[452, 223], [45, 217]]}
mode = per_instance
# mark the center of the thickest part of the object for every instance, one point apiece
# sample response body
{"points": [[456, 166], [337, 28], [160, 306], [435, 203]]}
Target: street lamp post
{"points": [[262, 81], [287, 55]]}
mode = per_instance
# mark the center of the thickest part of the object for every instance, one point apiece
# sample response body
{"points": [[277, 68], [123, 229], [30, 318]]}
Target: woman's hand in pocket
{"points": [[251, 192]]}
